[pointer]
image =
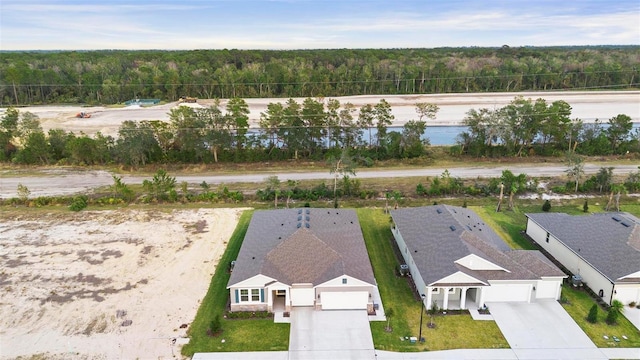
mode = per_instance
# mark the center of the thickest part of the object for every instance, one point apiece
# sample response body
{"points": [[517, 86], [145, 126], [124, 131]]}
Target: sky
{"points": [[314, 24]]}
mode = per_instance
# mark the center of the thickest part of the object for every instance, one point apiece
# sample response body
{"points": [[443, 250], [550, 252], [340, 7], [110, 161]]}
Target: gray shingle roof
{"points": [[439, 235], [279, 244], [608, 241]]}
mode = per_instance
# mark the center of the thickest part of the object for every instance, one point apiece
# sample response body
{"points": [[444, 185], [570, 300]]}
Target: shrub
{"points": [[79, 203], [585, 207], [632, 304], [593, 314], [612, 317], [215, 327], [546, 206]]}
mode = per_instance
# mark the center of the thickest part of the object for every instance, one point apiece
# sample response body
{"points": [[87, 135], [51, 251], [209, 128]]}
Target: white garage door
{"points": [[547, 289], [627, 294], [506, 292], [302, 296], [348, 300]]}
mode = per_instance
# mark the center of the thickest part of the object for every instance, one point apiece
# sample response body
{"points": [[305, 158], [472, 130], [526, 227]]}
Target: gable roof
{"points": [[438, 236], [303, 246], [610, 242]]}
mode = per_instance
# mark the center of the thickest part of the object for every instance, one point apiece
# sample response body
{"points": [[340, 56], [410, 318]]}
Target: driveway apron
{"points": [[543, 325], [330, 334]]}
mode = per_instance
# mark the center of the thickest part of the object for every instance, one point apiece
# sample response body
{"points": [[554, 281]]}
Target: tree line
{"points": [[317, 130], [107, 77]]}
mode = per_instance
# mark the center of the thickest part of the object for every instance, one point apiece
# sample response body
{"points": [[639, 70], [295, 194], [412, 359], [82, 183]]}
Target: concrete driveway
{"points": [[330, 335], [543, 325]]}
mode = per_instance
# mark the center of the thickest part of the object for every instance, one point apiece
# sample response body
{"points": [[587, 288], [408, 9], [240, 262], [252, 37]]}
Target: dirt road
{"points": [[587, 106], [66, 182]]}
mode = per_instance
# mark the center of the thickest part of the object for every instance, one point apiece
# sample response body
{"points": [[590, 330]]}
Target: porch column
{"points": [[463, 298], [445, 302], [429, 295], [480, 299]]}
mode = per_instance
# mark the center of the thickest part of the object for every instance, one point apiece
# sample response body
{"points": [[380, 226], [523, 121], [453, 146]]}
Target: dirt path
{"points": [[106, 284]]}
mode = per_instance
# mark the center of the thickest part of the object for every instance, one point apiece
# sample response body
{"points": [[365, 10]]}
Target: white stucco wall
{"points": [[576, 265], [408, 259]]}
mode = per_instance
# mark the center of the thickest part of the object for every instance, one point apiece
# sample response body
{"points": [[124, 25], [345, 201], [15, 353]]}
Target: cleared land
{"points": [[106, 284], [587, 106]]}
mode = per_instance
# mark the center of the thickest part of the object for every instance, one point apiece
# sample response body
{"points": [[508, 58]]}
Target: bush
{"points": [[593, 314], [612, 317], [632, 304], [79, 203], [585, 207], [546, 206], [215, 327]]}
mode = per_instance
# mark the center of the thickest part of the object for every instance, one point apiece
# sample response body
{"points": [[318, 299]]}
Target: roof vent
{"points": [[306, 225], [469, 227], [439, 211], [615, 218], [300, 211], [307, 217], [625, 224], [308, 211], [453, 228], [299, 217], [454, 211], [299, 225]]}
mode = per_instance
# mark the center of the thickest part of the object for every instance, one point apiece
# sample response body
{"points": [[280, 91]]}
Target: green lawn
{"points": [[239, 335], [451, 332], [578, 307]]}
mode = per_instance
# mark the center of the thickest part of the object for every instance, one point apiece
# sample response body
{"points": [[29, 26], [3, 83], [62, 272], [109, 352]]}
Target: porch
{"points": [[454, 297]]}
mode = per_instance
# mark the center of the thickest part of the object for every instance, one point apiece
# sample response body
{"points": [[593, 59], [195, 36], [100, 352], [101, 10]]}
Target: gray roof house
{"points": [[455, 259], [302, 257], [604, 249]]}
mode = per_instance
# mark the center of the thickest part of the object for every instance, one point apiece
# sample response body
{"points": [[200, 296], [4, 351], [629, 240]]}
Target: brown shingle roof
{"points": [[303, 246]]}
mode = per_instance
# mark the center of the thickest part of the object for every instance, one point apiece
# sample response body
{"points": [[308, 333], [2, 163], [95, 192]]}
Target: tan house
{"points": [[302, 257]]}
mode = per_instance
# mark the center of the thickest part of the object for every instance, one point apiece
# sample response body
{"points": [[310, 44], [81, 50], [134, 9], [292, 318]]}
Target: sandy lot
{"points": [[587, 106], [106, 284]]}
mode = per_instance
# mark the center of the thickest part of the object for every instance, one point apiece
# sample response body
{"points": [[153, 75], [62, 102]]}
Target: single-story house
{"points": [[302, 257], [456, 259], [604, 249]]}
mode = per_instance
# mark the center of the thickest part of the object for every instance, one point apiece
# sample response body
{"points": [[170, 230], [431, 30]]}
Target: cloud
{"points": [[291, 24]]}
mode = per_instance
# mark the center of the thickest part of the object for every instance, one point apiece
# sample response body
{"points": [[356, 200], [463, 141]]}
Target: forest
{"points": [[109, 77]]}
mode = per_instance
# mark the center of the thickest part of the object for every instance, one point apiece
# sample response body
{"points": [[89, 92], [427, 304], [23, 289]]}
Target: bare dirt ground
{"points": [[118, 284], [587, 106]]}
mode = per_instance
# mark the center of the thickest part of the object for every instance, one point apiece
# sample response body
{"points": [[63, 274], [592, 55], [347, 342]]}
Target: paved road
{"points": [[67, 182]]}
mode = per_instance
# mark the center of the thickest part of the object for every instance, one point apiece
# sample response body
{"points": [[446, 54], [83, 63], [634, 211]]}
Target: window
{"points": [[249, 295], [547, 237], [344, 280]]}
